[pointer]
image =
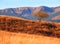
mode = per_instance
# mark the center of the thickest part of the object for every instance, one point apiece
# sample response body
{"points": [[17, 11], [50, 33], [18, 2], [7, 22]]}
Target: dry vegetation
{"points": [[41, 15], [29, 29], [22, 38]]}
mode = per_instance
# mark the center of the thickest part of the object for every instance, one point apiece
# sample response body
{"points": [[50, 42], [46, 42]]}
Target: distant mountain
{"points": [[57, 9], [53, 15], [27, 12]]}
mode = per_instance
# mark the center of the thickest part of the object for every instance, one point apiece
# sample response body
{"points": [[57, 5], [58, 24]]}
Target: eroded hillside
{"points": [[13, 24]]}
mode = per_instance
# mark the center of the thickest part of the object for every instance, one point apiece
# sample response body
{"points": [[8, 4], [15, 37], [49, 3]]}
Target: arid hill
{"points": [[14, 24]]}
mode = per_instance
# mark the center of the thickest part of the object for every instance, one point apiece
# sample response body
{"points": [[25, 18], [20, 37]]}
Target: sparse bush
{"points": [[41, 15], [24, 26], [49, 26]]}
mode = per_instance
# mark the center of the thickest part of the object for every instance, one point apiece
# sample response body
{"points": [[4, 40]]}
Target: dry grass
{"points": [[21, 38], [20, 31]]}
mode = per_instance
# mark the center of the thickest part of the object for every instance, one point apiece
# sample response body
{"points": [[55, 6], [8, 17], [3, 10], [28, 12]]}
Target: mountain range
{"points": [[27, 12]]}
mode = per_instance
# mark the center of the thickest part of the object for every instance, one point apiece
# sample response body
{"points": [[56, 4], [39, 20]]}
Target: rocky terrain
{"points": [[27, 12]]}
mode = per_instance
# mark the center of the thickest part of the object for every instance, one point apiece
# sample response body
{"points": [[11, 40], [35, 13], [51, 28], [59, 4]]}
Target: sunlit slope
{"points": [[15, 24], [21, 38]]}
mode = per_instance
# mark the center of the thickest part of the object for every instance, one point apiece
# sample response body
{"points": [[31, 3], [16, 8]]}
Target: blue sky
{"points": [[28, 3]]}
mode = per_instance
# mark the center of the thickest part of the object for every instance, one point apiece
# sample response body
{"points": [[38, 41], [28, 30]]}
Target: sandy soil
{"points": [[21, 38]]}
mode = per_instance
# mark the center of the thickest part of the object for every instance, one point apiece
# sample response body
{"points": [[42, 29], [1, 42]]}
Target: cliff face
{"points": [[13, 24]]}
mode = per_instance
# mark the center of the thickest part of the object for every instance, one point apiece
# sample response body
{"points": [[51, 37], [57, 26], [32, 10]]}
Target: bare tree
{"points": [[40, 15]]}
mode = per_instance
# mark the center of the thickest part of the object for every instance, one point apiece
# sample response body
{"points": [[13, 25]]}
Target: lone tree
{"points": [[41, 15]]}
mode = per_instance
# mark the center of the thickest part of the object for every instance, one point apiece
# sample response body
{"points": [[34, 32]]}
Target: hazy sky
{"points": [[23, 3]]}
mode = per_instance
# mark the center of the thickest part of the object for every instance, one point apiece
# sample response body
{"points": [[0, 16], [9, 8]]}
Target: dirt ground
{"points": [[21, 38]]}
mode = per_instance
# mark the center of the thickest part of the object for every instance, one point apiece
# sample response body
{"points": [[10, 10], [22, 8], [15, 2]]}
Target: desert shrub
{"points": [[58, 35], [8, 29], [49, 26], [22, 24], [13, 21], [33, 22], [4, 28], [8, 23], [47, 33]]}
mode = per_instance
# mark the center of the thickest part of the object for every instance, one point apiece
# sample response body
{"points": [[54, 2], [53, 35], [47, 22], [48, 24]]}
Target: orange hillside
{"points": [[14, 24]]}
